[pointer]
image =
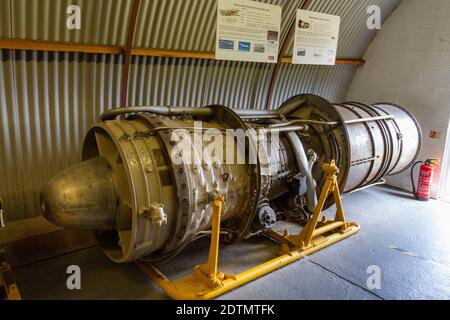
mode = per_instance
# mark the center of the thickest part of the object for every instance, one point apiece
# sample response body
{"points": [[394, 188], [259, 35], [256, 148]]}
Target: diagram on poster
{"points": [[316, 38], [247, 31]]}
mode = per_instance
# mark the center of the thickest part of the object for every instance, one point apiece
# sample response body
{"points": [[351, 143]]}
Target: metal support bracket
{"points": [[206, 282]]}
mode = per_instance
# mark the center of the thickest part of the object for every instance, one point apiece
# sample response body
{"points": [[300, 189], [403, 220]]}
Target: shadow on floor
{"points": [[395, 231]]}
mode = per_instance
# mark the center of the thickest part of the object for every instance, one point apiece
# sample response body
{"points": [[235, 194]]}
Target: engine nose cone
{"points": [[82, 197]]}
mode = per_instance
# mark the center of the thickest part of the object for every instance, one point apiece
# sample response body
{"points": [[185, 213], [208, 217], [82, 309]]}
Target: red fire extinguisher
{"points": [[426, 173]]}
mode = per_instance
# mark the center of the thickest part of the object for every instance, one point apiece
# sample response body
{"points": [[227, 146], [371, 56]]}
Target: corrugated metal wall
{"points": [[48, 100], [103, 22], [193, 83], [166, 24], [329, 82], [5, 20]]}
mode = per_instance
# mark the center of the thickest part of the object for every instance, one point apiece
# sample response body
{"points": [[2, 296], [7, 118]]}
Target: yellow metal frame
{"points": [[207, 283], [7, 281]]}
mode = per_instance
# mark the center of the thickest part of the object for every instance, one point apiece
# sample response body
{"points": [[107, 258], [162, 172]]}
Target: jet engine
{"points": [[146, 175]]}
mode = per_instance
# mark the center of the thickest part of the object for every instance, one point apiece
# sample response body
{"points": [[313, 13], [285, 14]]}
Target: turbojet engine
{"points": [[147, 173]]}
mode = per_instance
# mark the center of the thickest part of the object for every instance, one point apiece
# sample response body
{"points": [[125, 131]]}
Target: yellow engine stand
{"points": [[206, 282], [7, 282]]}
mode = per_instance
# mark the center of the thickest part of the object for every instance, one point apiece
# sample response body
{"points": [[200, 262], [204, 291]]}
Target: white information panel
{"points": [[247, 31], [316, 38]]}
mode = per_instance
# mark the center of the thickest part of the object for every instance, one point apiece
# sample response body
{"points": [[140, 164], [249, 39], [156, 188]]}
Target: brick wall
{"points": [[409, 63]]}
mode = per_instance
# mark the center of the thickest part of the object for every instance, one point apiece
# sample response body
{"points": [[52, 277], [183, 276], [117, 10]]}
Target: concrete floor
{"points": [[409, 241]]}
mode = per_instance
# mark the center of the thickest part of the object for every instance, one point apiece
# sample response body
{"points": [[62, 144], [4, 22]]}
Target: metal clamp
{"points": [[158, 215]]}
